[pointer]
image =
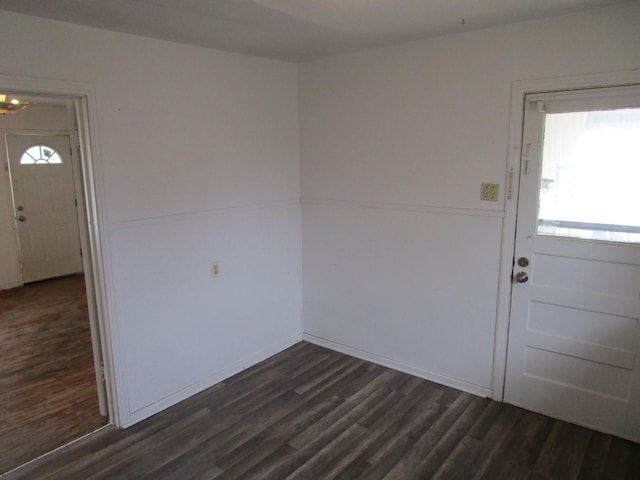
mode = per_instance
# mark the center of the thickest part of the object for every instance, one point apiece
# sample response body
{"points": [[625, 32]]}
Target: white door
{"points": [[45, 205], [574, 332]]}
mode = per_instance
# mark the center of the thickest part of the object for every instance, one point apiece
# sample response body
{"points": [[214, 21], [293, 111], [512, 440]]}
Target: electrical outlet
{"points": [[489, 192], [215, 269]]}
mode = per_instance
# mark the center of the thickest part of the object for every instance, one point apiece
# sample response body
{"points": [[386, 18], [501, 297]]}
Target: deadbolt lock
{"points": [[523, 262]]}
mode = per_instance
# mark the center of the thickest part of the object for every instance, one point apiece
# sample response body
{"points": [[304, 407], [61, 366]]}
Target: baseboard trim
{"points": [[219, 376], [387, 362], [9, 286]]}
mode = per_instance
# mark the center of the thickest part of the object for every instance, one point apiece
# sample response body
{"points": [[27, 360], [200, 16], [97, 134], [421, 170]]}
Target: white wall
{"points": [[197, 162], [35, 118], [401, 258]]}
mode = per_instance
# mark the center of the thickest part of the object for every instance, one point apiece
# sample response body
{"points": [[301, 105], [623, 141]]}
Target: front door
{"points": [[574, 332], [45, 205]]}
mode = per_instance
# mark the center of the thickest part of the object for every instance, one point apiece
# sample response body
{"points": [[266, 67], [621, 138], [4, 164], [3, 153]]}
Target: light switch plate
{"points": [[489, 192]]}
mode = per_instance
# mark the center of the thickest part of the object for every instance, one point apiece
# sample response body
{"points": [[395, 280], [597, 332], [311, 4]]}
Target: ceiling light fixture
{"points": [[10, 107]]}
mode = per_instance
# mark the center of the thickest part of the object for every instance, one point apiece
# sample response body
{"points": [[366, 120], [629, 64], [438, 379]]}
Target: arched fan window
{"points": [[39, 155]]}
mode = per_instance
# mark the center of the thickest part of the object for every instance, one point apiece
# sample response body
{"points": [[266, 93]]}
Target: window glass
{"points": [[40, 155], [590, 182]]}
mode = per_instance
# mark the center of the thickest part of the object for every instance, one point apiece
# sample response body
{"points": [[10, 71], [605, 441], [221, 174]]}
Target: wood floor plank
{"points": [[337, 420], [134, 456], [48, 393], [263, 468], [633, 462], [471, 462], [386, 451], [505, 460], [618, 459], [564, 451], [491, 444], [339, 417], [439, 440], [377, 422], [329, 455], [595, 457]]}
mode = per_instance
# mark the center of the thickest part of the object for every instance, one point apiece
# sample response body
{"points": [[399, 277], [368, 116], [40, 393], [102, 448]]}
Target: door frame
{"points": [[82, 101], [519, 89]]}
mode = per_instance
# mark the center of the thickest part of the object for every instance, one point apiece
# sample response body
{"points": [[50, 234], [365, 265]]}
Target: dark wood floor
{"points": [[47, 381], [311, 413]]}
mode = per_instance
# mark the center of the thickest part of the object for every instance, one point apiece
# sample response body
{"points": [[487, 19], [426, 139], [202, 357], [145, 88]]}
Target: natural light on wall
{"points": [[590, 184]]}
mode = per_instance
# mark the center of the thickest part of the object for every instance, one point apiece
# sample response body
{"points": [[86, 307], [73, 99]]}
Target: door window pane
{"points": [[40, 155], [590, 182]]}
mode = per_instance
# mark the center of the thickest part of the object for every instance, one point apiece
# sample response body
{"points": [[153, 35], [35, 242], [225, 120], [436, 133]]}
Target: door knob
{"points": [[22, 218], [522, 277]]}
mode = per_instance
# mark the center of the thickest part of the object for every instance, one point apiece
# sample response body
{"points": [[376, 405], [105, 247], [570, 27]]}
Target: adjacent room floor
{"points": [[311, 413], [47, 382]]}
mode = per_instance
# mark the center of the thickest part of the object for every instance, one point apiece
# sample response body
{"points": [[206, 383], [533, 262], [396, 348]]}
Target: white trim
{"points": [[474, 212], [85, 95], [401, 367], [201, 214], [587, 99], [209, 381], [36, 132], [24, 468], [300, 291], [519, 89]]}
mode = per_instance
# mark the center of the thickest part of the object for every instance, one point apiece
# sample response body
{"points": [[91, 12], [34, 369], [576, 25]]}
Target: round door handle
{"points": [[22, 218], [522, 277]]}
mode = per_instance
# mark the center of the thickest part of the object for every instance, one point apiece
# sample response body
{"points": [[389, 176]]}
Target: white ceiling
{"points": [[296, 30]]}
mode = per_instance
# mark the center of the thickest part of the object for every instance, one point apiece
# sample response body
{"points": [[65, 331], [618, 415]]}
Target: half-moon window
{"points": [[40, 155]]}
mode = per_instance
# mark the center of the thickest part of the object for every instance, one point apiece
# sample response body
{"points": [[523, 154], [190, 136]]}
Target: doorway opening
{"points": [[53, 381]]}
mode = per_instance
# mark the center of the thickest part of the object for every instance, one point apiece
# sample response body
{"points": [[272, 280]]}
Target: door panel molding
{"points": [[591, 302], [552, 245], [590, 410], [591, 351]]}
